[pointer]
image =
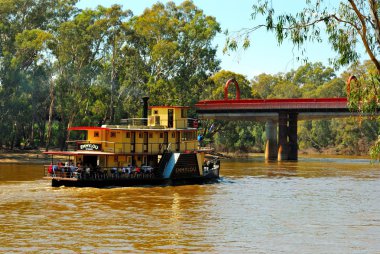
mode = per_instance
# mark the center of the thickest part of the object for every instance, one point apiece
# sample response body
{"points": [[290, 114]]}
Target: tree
{"points": [[85, 48], [285, 89], [215, 90], [25, 29], [175, 45], [263, 84]]}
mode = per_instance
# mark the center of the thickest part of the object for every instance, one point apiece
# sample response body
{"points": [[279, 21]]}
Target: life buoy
{"points": [[195, 124]]}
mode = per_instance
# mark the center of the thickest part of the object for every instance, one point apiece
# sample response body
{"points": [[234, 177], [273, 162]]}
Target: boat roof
{"points": [[85, 128], [184, 107], [128, 128], [79, 152]]}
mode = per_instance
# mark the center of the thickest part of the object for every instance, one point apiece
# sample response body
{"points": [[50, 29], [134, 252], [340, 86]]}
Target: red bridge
{"points": [[282, 112]]}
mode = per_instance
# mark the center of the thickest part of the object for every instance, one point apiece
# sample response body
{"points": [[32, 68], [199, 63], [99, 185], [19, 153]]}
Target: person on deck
{"points": [[55, 169], [72, 169], [200, 140], [88, 170], [50, 169]]}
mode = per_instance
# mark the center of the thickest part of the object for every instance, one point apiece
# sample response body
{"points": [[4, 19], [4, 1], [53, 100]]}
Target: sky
{"points": [[264, 54]]}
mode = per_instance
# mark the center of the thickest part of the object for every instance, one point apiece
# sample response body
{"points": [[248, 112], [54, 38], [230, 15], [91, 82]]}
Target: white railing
{"points": [[156, 122]]}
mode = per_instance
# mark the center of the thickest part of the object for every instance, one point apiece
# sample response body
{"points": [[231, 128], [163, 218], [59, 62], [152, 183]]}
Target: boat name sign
{"points": [[90, 147]]}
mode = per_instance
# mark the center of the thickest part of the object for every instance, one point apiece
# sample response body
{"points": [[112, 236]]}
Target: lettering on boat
{"points": [[90, 147], [188, 170]]}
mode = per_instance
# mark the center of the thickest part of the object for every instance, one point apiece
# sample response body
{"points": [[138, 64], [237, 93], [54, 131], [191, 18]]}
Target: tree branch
{"points": [[363, 35], [373, 6]]}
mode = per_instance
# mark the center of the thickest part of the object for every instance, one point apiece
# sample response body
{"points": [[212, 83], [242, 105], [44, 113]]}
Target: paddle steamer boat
{"points": [[158, 149]]}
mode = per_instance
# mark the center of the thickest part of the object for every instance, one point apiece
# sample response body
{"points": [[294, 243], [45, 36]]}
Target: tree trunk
{"points": [[69, 125], [373, 9], [48, 137], [31, 139]]}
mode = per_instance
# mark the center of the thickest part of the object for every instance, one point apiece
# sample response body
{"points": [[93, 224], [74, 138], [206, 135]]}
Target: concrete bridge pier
{"points": [[271, 140], [292, 134], [282, 154], [286, 148]]}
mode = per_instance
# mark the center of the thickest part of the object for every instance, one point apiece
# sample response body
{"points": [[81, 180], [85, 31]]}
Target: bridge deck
{"points": [[317, 103], [262, 109]]}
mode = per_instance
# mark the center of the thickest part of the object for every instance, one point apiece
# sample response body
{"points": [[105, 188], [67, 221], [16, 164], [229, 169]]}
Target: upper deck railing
{"points": [[156, 122]]}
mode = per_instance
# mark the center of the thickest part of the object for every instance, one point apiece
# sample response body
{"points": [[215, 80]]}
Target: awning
{"points": [[72, 153], [86, 128]]}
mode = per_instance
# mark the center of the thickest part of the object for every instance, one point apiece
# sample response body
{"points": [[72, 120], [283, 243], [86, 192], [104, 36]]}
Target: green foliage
{"points": [[240, 136], [175, 45], [25, 32], [375, 150], [215, 91], [91, 67]]}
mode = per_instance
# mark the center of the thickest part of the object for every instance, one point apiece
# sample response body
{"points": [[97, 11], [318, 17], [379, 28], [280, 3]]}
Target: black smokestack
{"points": [[145, 110]]}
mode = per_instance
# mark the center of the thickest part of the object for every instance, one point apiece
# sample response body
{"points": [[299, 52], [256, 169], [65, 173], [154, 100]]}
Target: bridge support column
{"points": [[282, 154], [292, 134], [271, 141]]}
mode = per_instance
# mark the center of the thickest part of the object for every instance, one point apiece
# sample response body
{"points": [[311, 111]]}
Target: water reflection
{"points": [[305, 167], [312, 206]]}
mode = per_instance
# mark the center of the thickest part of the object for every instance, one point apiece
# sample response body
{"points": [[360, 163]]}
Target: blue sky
{"points": [[264, 55]]}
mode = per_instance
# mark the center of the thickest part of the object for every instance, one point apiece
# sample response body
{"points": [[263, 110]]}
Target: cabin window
{"points": [[150, 135], [96, 134], [155, 112], [128, 135], [188, 136], [173, 134], [113, 134], [161, 135], [183, 113]]}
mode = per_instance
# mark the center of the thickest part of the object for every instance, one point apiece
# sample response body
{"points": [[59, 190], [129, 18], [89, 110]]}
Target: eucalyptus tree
{"points": [[263, 85], [117, 35], [85, 48], [175, 43], [25, 28]]}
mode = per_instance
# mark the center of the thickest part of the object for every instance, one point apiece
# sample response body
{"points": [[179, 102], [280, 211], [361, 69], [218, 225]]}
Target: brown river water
{"points": [[311, 206]]}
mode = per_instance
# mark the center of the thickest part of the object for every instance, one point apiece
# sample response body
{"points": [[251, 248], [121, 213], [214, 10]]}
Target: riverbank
{"points": [[37, 157], [24, 157], [307, 153]]}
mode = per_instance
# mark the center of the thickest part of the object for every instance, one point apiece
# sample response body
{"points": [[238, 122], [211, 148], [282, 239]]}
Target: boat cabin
{"points": [[136, 142]]}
